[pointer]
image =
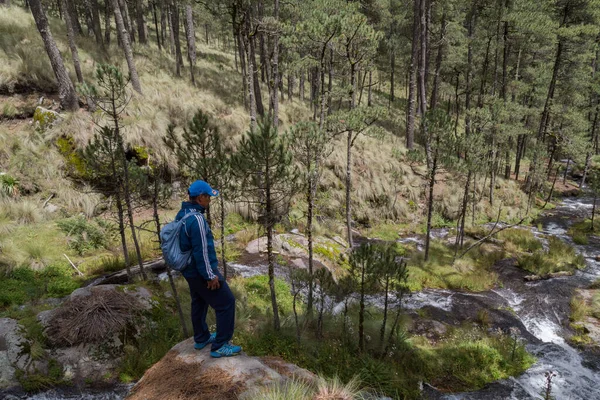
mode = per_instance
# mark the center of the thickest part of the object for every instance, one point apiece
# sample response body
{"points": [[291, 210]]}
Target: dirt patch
{"points": [[173, 379]]}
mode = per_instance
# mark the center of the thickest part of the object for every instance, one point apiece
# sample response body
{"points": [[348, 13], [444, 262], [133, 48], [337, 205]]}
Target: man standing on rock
{"points": [[207, 285]]}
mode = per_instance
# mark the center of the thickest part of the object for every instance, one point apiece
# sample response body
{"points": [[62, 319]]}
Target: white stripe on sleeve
{"points": [[202, 226]]}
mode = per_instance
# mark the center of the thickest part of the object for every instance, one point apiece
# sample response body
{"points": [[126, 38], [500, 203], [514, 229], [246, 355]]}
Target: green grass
{"points": [[469, 273], [519, 240], [560, 256], [23, 284], [466, 362], [581, 231]]}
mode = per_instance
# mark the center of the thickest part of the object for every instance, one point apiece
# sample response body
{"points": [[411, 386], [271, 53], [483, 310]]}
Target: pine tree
{"points": [[201, 154], [310, 146], [111, 97], [263, 164]]}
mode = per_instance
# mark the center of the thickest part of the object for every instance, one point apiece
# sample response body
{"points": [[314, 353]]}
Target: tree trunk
{"points": [[361, 313], [469, 78], [124, 39], [275, 66], [430, 204], [107, 13], [127, 186], [438, 65], [349, 190], [349, 157], [72, 10], [191, 40], [412, 80], [594, 210], [72, 45], [260, 109], [369, 95], [301, 85], [290, 86], [223, 258], [309, 235], [121, 218], [141, 23], [97, 27], [163, 23], [546, 112], [175, 27], [171, 281], [250, 80], [385, 313], [171, 32], [127, 20], [392, 76], [66, 91], [155, 16], [269, 216], [330, 80]]}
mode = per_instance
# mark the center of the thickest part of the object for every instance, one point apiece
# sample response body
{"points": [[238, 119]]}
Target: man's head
{"points": [[200, 193]]}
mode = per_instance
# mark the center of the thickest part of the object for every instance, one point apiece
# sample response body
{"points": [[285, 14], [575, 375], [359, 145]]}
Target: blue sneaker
{"points": [[211, 339], [227, 350]]}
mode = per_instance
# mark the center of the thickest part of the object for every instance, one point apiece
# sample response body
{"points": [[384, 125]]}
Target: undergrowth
{"points": [[559, 256]]}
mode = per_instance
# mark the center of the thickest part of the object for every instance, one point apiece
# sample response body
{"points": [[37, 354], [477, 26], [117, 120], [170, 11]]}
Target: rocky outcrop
{"points": [[95, 355], [327, 252], [185, 373], [13, 354]]}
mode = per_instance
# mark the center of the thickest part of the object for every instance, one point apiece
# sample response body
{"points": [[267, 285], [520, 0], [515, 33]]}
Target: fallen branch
{"points": [[492, 233], [73, 265]]}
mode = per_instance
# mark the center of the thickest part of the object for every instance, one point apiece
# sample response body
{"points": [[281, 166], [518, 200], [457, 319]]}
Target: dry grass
{"points": [[173, 379], [92, 318]]}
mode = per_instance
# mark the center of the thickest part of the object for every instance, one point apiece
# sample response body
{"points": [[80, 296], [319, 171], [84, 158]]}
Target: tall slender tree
{"points": [[66, 90]]}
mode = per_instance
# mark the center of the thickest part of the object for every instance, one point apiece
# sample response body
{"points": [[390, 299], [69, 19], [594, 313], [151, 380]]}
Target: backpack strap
{"points": [[190, 214]]}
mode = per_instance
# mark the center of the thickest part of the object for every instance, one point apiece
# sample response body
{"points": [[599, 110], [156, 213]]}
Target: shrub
{"points": [[560, 256], [255, 293], [522, 239], [9, 185], [23, 284], [23, 212], [85, 235]]}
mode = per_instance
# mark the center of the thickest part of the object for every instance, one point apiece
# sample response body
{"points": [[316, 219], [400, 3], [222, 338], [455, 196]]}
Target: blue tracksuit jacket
{"points": [[196, 235]]}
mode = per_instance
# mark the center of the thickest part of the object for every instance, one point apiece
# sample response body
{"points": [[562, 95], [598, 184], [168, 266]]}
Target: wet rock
{"points": [[190, 371], [432, 330], [12, 351], [533, 278], [299, 263]]}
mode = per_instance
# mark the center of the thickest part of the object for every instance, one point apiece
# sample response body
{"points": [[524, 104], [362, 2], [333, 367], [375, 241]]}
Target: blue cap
{"points": [[200, 187]]}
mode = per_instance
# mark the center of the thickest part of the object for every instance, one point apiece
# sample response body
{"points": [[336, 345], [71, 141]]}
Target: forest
{"points": [[407, 201]]}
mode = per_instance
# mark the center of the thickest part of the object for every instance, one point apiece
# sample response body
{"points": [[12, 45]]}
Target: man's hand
{"points": [[214, 284]]}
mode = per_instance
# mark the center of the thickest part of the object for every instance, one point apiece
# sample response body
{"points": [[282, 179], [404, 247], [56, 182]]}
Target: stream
{"points": [[539, 310]]}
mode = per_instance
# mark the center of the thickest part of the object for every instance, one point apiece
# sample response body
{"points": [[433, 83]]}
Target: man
{"points": [[207, 286]]}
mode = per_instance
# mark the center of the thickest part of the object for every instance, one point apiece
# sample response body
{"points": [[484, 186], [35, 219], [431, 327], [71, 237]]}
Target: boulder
{"points": [[431, 329], [12, 351], [194, 374], [260, 245]]}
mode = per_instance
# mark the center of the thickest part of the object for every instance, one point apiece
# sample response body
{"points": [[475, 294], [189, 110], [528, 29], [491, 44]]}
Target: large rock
{"points": [[12, 351], [185, 373], [94, 360]]}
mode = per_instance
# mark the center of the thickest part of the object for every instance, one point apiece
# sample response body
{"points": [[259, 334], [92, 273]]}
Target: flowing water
{"points": [[540, 310], [543, 308]]}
